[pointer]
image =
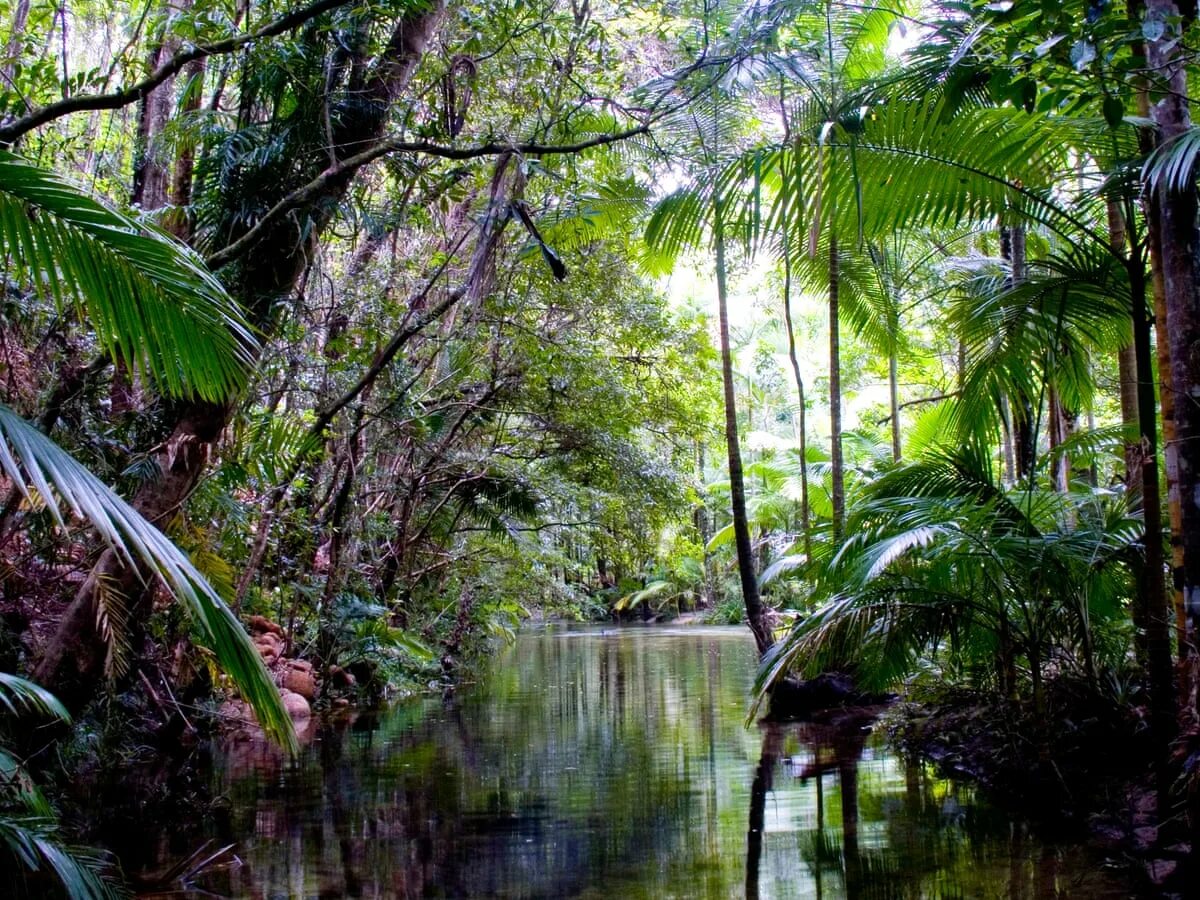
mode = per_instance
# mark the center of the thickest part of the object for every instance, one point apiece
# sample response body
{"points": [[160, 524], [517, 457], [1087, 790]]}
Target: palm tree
{"points": [[153, 306]]}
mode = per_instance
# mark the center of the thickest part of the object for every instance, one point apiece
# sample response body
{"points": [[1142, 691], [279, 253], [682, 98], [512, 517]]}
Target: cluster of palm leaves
{"points": [[877, 194], [948, 571], [153, 306], [37, 858]]}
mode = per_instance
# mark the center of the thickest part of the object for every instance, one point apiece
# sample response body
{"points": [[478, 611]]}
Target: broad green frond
{"points": [[150, 299], [917, 167]]}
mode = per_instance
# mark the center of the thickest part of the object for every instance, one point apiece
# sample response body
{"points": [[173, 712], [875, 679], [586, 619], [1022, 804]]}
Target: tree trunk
{"points": [[1127, 374], [801, 406], [1175, 213], [1152, 585], [894, 398], [1021, 413], [13, 50], [180, 223], [1008, 451], [1062, 424], [1166, 393], [756, 613], [704, 529], [836, 463]]}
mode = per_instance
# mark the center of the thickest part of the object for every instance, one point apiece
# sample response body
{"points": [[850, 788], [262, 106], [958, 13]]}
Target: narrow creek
{"points": [[603, 763]]}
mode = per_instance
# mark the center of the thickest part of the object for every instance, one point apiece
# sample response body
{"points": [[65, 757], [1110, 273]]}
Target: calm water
{"points": [[605, 763]]}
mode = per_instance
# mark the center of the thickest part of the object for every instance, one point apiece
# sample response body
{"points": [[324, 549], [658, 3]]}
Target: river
{"points": [[601, 763]]}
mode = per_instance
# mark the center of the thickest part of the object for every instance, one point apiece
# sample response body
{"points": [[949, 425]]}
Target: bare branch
{"points": [[11, 131]]}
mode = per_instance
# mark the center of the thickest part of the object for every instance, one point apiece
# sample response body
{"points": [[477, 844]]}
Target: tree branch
{"points": [[351, 164], [907, 403], [11, 131]]}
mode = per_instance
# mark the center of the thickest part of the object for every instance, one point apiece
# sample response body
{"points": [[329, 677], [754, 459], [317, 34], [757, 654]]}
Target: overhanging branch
{"points": [[352, 164], [85, 102]]}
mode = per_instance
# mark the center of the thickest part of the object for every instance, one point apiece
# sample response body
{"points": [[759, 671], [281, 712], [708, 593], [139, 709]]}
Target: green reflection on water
{"points": [[609, 763]]}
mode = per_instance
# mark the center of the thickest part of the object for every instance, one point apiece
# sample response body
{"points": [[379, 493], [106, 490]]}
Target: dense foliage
{"points": [[398, 323]]}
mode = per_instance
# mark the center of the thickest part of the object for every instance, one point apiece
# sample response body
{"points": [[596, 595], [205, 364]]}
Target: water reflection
{"points": [[893, 829], [602, 764]]}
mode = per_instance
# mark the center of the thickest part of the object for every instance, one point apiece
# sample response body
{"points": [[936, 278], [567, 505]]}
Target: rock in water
{"points": [[298, 678], [297, 707]]}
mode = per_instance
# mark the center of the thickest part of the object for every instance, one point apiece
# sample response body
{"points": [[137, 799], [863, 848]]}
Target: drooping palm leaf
{"points": [[150, 300], [1173, 165], [32, 460], [1069, 308], [32, 843], [20, 694]]}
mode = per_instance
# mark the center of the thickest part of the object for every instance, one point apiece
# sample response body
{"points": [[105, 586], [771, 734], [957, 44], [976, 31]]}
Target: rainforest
{"points": [[571, 448]]}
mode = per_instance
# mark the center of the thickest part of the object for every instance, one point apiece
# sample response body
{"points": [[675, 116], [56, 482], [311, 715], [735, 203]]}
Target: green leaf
{"points": [[150, 300], [1114, 111]]}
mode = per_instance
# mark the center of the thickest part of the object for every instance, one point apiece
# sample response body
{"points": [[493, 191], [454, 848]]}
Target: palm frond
{"points": [[20, 694], [30, 459], [30, 841], [150, 300], [1173, 163], [111, 617]]}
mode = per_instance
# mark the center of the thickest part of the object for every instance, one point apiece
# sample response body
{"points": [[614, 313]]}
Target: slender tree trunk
{"points": [[1061, 426], [704, 529], [1152, 595], [1130, 418], [1127, 375], [1166, 393], [837, 464], [180, 223], [1127, 371], [1174, 212], [756, 613], [802, 412], [1007, 448], [13, 50], [1012, 248], [151, 174], [894, 398]]}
